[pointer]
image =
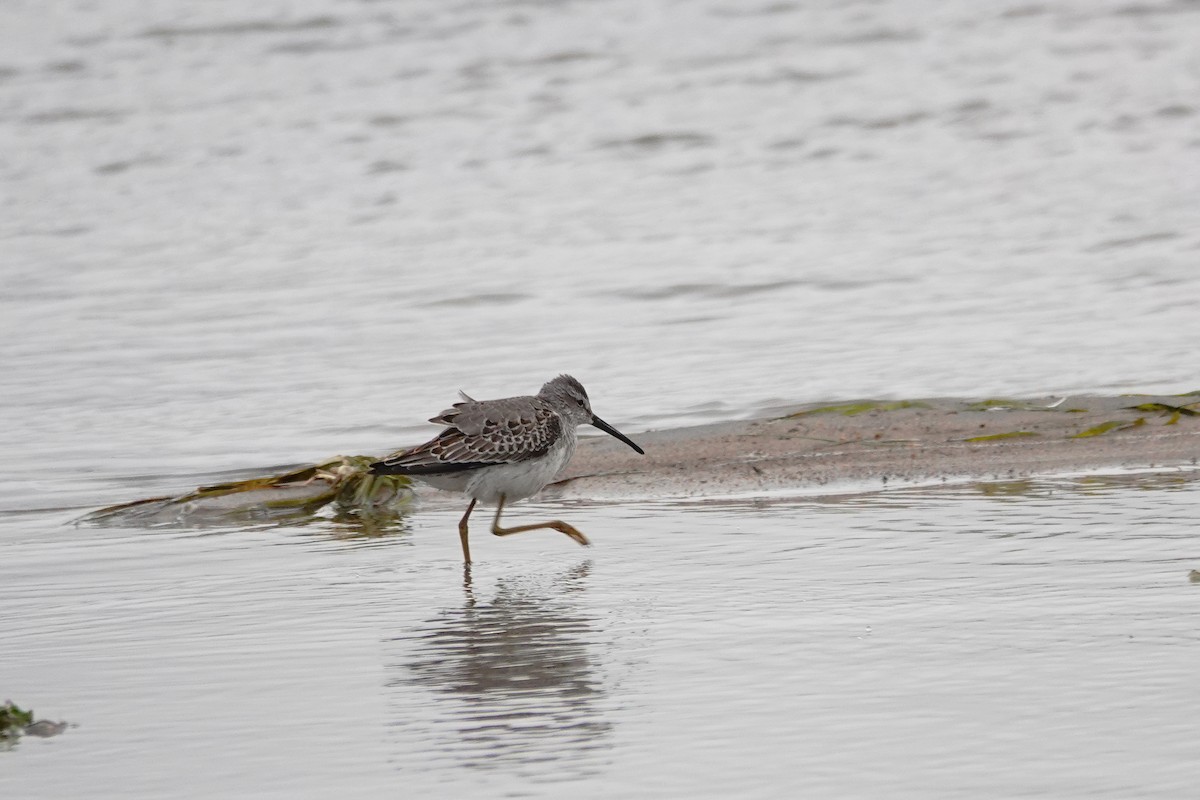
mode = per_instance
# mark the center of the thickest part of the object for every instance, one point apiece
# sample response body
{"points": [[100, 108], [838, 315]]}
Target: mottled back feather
{"points": [[480, 434]]}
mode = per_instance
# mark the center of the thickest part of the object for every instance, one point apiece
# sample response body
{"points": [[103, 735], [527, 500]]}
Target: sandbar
{"points": [[867, 444]]}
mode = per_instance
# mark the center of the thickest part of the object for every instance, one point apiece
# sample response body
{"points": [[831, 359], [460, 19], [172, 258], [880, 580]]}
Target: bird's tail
{"points": [[384, 468]]}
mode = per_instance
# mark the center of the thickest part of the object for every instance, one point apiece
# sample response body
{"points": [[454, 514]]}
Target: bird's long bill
{"points": [[611, 431]]}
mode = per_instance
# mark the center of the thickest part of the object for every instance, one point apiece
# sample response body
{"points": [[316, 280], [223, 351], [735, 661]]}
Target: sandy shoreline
{"points": [[889, 443], [835, 449]]}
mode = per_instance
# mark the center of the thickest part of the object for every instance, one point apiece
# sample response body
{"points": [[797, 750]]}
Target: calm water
{"points": [[995, 640], [233, 238]]}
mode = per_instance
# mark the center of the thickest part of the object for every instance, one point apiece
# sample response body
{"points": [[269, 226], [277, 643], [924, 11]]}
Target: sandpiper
{"points": [[501, 451]]}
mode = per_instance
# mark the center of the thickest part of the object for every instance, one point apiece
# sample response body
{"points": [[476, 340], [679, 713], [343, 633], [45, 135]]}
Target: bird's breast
{"points": [[521, 479]]}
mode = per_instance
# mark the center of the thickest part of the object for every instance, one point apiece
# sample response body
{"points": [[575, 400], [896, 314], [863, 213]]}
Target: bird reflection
{"points": [[515, 676]]}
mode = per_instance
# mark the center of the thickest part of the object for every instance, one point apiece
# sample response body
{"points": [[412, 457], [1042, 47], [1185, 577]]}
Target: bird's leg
{"points": [[554, 524], [462, 532]]}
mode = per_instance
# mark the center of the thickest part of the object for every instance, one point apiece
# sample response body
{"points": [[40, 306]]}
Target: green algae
{"points": [[854, 409], [1166, 408], [997, 436], [13, 719], [1111, 425]]}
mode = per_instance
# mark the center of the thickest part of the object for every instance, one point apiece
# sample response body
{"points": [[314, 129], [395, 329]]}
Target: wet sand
{"points": [[860, 443]]}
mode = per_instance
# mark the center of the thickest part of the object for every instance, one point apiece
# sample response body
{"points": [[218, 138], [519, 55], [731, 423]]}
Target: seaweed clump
{"points": [[15, 722], [345, 481]]}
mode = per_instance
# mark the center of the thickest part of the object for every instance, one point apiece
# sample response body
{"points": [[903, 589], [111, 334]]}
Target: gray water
{"points": [[995, 640], [235, 236]]}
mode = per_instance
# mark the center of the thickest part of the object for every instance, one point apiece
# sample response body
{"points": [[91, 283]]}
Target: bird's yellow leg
{"points": [[462, 532], [553, 524]]}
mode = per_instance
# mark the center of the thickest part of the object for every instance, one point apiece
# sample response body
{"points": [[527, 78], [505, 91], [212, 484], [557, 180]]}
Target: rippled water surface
{"points": [[293, 227], [999, 640], [235, 236]]}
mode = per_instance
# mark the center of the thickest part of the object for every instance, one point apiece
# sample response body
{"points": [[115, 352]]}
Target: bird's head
{"points": [[570, 400]]}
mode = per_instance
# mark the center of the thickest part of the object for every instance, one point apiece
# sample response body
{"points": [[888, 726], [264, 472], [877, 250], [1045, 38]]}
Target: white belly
{"points": [[515, 481]]}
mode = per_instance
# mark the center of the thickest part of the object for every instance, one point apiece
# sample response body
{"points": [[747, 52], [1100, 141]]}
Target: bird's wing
{"points": [[480, 434]]}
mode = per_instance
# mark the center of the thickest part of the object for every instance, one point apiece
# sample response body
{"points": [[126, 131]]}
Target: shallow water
{"points": [[232, 239], [995, 639]]}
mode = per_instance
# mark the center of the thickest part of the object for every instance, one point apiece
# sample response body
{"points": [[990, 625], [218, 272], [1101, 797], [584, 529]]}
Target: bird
{"points": [[501, 451]]}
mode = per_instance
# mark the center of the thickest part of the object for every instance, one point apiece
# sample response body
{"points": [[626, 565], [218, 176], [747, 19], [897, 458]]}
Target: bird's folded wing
{"points": [[480, 436]]}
